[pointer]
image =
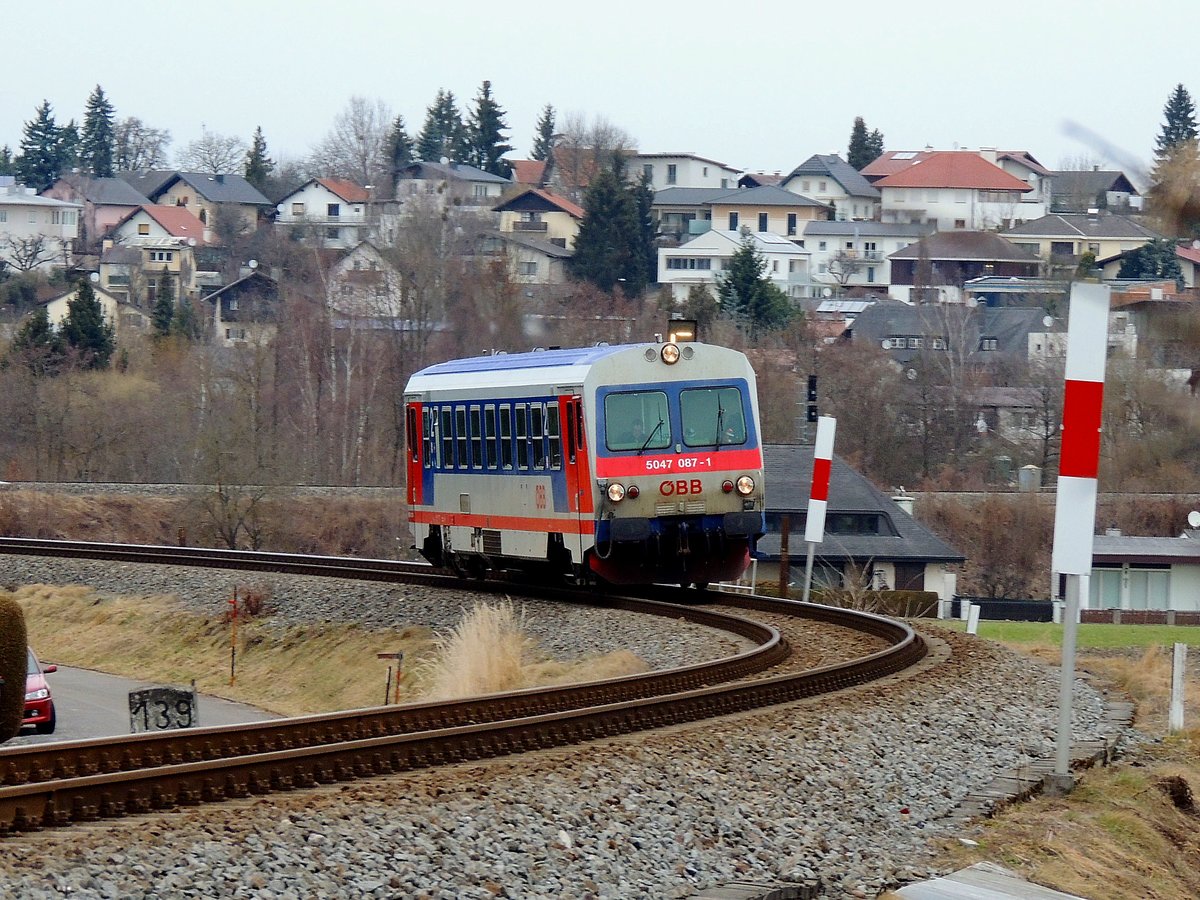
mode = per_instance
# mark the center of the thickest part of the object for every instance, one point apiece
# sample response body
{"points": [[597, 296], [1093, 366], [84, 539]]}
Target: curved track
{"points": [[82, 780]]}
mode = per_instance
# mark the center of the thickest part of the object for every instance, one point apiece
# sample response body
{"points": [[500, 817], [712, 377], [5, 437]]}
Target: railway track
{"points": [[85, 780]]}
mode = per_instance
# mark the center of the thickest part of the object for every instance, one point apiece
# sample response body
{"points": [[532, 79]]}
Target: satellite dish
{"points": [[1194, 519], [445, 160], [191, 242], [911, 374], [1196, 245], [1047, 321], [885, 344], [253, 264], [95, 277], [827, 292]]}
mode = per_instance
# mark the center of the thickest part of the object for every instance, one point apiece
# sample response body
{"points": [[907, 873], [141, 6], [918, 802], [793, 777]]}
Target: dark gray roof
{"points": [[767, 195], [122, 256], [1116, 549], [1077, 225], [788, 479], [533, 243], [452, 171], [833, 166], [147, 182], [966, 245], [914, 230], [682, 196], [229, 188], [1090, 184], [1009, 325], [112, 192]]}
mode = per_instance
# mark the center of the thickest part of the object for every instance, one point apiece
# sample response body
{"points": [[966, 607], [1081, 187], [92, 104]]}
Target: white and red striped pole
{"points": [[1078, 466], [818, 497]]}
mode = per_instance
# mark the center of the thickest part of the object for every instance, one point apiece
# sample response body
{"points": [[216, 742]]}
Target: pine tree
{"points": [[485, 134], [443, 134], [543, 137], [609, 248], [85, 330], [163, 312], [747, 294], [259, 165], [7, 165], [399, 150], [37, 345], [875, 144], [1179, 125], [865, 147], [40, 163], [68, 146], [98, 140]]}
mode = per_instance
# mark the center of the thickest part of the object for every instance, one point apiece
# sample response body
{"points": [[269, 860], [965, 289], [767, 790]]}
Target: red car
{"points": [[39, 705]]}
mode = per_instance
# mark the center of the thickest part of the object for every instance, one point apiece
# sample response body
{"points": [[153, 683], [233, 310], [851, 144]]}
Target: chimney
{"points": [[902, 500], [1093, 213], [1096, 167], [988, 153]]}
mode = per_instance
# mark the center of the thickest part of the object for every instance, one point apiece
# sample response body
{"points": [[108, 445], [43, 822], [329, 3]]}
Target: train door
{"points": [[579, 492]]}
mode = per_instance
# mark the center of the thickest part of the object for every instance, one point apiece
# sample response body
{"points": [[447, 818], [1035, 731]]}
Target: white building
{"points": [[36, 232], [700, 260], [855, 254], [326, 212], [667, 170]]}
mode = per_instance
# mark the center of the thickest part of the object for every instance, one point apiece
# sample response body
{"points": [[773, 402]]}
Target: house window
{"points": [[143, 228], [870, 274], [915, 343], [821, 187], [895, 343], [671, 171], [297, 209], [989, 343], [648, 172], [849, 245], [724, 182], [333, 210], [706, 171], [791, 223], [762, 221], [3, 215], [733, 221], [480, 191], [939, 343], [233, 304], [1094, 249], [820, 245], [805, 185], [333, 233], [960, 223], [235, 334], [527, 268]]}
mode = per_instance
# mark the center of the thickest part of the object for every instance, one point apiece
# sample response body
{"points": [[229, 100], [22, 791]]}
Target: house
{"points": [[686, 170], [700, 260], [1189, 260], [363, 283], [829, 179], [532, 259], [36, 232], [1143, 575], [956, 190], [538, 213], [869, 537], [1077, 192], [761, 179], [766, 209], [452, 183], [1018, 163], [937, 266], [126, 318], [855, 254], [680, 214], [105, 202], [1061, 239], [204, 195], [156, 224], [528, 172], [244, 311], [326, 212]]}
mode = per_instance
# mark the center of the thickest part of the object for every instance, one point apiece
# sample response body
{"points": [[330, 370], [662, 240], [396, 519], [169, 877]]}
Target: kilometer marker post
{"points": [[814, 525], [1079, 463]]}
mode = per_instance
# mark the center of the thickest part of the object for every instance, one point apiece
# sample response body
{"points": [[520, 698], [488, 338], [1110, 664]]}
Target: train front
{"points": [[679, 467]]}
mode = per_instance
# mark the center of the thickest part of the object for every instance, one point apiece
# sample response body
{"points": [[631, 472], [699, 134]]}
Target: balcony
{"points": [[530, 226]]}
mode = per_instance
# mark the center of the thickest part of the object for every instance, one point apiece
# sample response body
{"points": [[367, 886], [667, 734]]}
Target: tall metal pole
{"points": [[1066, 688]]}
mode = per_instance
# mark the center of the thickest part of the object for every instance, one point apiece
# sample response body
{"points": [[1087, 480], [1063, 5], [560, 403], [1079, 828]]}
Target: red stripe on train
{"points": [[679, 464]]}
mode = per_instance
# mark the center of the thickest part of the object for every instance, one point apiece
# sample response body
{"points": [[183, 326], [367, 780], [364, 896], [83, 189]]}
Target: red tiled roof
{"points": [[561, 202], [893, 161], [527, 171], [177, 221], [346, 189], [962, 169], [1191, 254]]}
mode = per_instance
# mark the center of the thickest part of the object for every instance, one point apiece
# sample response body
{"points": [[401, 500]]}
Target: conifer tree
{"points": [[37, 345], [1179, 123], [85, 330], [865, 147], [485, 134], [98, 139], [443, 134], [7, 166], [259, 165], [543, 137], [399, 150], [609, 248], [747, 295], [41, 160], [185, 323], [163, 313]]}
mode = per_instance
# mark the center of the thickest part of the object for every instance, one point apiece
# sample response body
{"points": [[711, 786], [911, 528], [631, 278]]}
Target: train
{"points": [[626, 464]]}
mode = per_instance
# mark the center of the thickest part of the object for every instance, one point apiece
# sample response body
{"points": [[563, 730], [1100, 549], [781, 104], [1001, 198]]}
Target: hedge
{"points": [[13, 652]]}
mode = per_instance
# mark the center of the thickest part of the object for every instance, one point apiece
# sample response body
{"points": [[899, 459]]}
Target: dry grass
{"points": [[293, 670]]}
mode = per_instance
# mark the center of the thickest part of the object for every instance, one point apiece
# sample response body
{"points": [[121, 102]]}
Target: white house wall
{"points": [[689, 172], [1185, 587]]}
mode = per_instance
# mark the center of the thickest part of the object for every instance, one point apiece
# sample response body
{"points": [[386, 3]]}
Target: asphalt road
{"points": [[92, 705]]}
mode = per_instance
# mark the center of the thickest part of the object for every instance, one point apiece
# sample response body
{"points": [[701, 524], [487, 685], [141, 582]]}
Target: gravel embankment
{"points": [[850, 790]]}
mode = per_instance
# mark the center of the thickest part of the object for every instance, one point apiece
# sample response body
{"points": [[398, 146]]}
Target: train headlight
{"points": [[616, 492], [633, 492], [745, 485], [670, 354], [727, 486]]}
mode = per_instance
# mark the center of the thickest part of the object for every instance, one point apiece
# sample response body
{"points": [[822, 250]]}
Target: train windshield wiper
{"points": [[720, 422], [650, 436]]}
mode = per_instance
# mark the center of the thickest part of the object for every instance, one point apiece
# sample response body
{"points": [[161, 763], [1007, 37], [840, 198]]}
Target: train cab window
{"points": [[489, 431], [712, 417], [476, 439], [460, 423], [506, 454], [553, 436], [537, 437], [429, 439], [447, 458], [637, 420], [522, 436], [410, 434]]}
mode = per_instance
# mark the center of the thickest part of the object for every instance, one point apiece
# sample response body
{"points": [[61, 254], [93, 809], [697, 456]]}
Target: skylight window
{"points": [[905, 155]]}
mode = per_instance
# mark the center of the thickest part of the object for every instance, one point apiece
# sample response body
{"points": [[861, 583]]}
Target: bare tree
{"points": [[356, 145], [583, 148], [844, 265], [26, 253], [213, 153], [138, 146]]}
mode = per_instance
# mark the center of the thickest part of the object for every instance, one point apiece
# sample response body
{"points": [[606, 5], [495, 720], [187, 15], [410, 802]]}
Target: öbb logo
{"points": [[680, 486]]}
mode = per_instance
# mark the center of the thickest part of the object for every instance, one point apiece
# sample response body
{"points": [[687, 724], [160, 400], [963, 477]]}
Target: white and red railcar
{"points": [[632, 464]]}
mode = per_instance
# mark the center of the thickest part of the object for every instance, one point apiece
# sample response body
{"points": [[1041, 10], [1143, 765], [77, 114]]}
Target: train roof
{"points": [[536, 359]]}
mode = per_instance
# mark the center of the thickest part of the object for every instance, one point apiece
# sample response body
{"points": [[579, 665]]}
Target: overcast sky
{"points": [[759, 86]]}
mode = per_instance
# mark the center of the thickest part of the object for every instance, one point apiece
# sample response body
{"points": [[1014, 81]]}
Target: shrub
{"points": [[12, 666]]}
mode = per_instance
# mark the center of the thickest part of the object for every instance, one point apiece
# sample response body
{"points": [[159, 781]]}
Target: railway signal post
{"points": [[814, 526], [1075, 505]]}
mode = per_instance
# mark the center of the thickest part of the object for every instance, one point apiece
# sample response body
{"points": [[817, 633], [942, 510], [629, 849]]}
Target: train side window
{"points": [[430, 442], [460, 422], [552, 433], [489, 431], [537, 434], [447, 459], [506, 454], [580, 434], [410, 434], [476, 439], [522, 436]]}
